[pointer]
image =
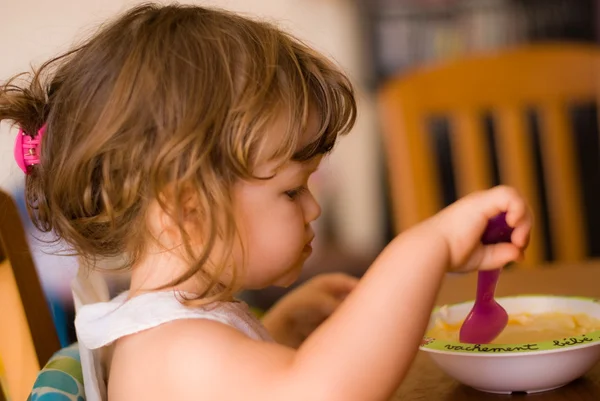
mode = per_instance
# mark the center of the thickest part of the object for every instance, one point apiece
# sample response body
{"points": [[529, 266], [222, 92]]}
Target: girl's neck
{"points": [[157, 270]]}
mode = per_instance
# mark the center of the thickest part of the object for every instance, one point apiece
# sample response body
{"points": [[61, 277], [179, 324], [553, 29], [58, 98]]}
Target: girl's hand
{"points": [[462, 224], [291, 320]]}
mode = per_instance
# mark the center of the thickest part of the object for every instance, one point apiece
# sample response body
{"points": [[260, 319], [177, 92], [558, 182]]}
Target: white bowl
{"points": [[529, 368]]}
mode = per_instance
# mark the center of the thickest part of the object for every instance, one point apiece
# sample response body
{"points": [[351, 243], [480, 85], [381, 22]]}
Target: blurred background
{"points": [[374, 41]]}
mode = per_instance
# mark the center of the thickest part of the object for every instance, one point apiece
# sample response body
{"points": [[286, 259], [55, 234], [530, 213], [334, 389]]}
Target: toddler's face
{"points": [[274, 219]]}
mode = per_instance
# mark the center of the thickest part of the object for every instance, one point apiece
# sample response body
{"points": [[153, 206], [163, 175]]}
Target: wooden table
{"points": [[426, 381]]}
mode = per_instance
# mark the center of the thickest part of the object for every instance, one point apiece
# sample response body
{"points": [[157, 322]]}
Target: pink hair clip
{"points": [[27, 149]]}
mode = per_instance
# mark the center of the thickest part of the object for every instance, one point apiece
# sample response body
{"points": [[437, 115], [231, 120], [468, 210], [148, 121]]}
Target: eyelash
{"points": [[294, 193]]}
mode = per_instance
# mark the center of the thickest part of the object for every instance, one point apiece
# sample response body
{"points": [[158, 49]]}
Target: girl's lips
{"points": [[308, 246]]}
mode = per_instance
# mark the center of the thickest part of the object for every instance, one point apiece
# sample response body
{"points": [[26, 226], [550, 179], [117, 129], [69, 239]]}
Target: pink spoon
{"points": [[487, 318]]}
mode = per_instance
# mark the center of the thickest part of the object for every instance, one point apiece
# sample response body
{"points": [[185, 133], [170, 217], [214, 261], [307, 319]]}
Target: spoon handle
{"points": [[496, 231], [486, 284]]}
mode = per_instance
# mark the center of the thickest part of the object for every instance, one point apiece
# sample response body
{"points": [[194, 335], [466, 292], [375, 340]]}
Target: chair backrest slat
{"points": [[562, 177], [471, 163]]}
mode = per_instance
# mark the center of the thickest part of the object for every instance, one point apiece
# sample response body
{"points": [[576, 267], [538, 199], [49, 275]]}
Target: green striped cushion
{"points": [[61, 379]]}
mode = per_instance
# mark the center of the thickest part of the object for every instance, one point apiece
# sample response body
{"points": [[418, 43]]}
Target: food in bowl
{"points": [[527, 327], [519, 366]]}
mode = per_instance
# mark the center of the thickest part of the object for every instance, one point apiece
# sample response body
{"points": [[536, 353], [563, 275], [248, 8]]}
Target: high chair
{"points": [[546, 78], [28, 336]]}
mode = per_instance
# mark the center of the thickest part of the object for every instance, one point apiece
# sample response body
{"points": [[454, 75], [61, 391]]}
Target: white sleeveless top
{"points": [[100, 324]]}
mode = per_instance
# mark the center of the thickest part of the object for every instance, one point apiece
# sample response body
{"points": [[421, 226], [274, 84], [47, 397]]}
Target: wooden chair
{"points": [[548, 78], [28, 335]]}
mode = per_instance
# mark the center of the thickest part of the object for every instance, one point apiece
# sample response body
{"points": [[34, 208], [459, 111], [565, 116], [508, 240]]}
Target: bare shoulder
{"points": [[194, 359]]}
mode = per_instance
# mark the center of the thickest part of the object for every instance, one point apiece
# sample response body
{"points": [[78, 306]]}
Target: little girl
{"points": [[178, 143]]}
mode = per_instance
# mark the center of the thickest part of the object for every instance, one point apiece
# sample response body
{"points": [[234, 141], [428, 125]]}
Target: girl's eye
{"points": [[294, 193]]}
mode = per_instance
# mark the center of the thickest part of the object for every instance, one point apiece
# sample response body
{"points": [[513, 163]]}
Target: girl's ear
{"points": [[191, 205], [177, 209], [192, 214], [181, 202]]}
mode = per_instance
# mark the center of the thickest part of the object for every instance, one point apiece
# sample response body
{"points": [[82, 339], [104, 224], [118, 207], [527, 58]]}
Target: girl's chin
{"points": [[286, 282], [289, 277], [284, 279]]}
